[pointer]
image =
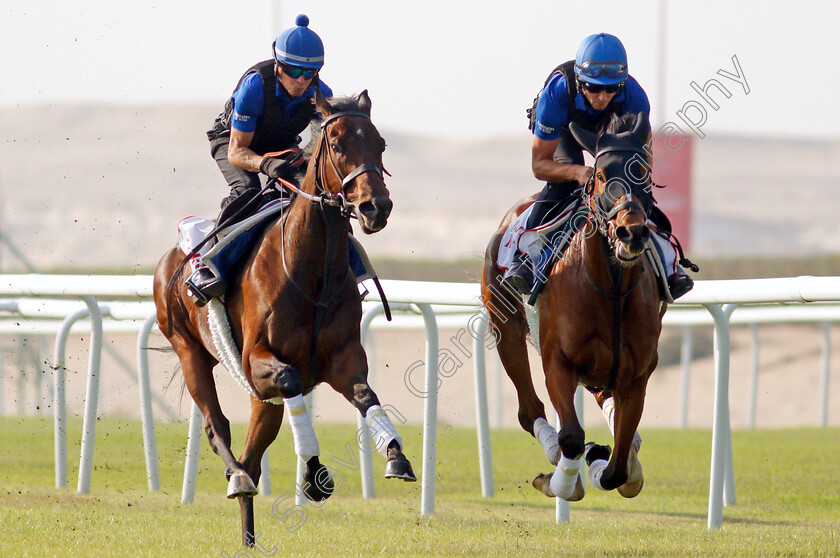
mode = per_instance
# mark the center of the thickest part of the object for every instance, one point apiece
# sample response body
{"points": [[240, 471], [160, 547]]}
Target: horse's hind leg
{"points": [[271, 375], [262, 431], [197, 366], [507, 318], [354, 387], [635, 475]]}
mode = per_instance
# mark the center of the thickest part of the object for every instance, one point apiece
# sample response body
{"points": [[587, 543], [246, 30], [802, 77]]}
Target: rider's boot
{"points": [[520, 275], [204, 285], [679, 283]]}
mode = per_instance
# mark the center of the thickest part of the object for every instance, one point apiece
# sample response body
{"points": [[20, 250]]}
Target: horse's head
{"points": [[619, 193], [348, 159]]}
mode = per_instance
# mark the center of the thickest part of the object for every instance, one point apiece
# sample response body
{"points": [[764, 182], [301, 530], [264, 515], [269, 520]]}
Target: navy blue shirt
{"points": [[248, 101], [553, 110]]}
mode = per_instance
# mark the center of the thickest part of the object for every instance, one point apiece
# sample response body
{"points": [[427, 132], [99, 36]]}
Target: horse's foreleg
{"points": [[635, 475], [270, 375], [355, 388], [565, 482], [614, 474]]}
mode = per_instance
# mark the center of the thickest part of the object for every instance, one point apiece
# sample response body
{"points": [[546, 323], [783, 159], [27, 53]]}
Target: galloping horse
{"points": [[599, 318], [294, 312]]}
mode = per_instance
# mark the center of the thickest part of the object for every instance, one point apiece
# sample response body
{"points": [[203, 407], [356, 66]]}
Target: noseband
{"points": [[324, 196], [604, 220]]}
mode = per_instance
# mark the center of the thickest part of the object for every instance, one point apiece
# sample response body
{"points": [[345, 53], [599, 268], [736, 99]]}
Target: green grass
{"points": [[788, 499]]}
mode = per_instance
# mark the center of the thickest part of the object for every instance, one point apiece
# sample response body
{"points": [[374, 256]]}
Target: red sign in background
{"points": [[672, 169]]}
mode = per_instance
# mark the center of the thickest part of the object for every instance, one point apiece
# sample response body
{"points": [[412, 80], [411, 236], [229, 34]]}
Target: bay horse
{"points": [[599, 318], [294, 312]]}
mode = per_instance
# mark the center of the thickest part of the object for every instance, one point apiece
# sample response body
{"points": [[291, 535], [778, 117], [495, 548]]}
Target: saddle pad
{"points": [[517, 239], [237, 241]]}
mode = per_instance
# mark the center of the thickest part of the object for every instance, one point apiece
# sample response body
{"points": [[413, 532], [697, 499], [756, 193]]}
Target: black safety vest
{"points": [[575, 114], [275, 130]]}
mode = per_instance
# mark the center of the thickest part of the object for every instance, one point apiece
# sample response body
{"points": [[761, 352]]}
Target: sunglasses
{"points": [[295, 72], [595, 69], [595, 88]]}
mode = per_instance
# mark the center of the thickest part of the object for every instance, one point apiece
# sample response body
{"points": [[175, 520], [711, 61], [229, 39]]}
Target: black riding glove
{"points": [[274, 167]]}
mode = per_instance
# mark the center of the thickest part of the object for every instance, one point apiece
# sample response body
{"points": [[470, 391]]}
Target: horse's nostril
{"points": [[376, 208], [367, 209]]}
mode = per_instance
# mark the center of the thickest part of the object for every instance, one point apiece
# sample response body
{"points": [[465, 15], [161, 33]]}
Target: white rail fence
{"points": [[110, 299]]}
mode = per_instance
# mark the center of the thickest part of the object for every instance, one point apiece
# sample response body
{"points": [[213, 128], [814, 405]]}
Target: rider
{"points": [[272, 103], [598, 87]]}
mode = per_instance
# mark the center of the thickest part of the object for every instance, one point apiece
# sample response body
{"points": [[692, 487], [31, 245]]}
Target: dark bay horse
{"points": [[294, 312], [599, 319]]}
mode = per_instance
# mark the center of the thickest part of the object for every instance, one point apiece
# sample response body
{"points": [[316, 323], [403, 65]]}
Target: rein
{"points": [[324, 198], [602, 223]]}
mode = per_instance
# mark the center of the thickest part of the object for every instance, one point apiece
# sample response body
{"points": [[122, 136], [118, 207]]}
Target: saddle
{"points": [[550, 240], [235, 241], [544, 243]]}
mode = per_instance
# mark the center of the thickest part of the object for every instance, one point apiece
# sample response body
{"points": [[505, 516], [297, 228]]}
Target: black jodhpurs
{"points": [[554, 195], [237, 178]]}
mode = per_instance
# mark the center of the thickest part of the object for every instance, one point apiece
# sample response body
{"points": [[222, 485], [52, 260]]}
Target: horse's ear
{"points": [[364, 102], [584, 137], [642, 128], [323, 105]]}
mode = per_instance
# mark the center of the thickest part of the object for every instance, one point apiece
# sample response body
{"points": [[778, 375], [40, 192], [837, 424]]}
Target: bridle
{"points": [[604, 220], [323, 196]]}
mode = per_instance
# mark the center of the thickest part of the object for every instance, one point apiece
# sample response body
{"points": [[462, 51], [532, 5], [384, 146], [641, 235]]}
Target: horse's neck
{"points": [[308, 230]]}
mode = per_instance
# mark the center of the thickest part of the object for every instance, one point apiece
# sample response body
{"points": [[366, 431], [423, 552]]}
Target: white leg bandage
{"points": [[609, 414], [381, 429], [565, 477], [306, 443], [596, 470], [547, 437]]}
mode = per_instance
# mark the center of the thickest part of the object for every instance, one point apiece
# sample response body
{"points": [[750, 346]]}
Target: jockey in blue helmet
{"points": [[588, 90], [273, 102]]}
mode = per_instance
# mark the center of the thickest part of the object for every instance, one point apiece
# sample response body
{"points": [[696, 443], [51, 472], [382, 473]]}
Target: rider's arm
{"points": [[546, 168], [240, 154]]}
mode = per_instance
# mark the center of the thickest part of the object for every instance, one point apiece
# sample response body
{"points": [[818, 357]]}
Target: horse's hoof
{"points": [[542, 482], [240, 484], [635, 477], [579, 492], [318, 484], [399, 468]]}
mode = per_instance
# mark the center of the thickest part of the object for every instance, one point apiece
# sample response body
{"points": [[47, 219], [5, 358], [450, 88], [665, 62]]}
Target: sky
{"points": [[451, 68]]}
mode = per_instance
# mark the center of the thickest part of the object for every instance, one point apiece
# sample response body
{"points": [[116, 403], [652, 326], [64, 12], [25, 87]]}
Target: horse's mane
{"points": [[339, 104]]}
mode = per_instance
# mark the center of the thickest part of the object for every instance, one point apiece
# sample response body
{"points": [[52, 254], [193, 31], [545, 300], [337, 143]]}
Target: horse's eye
{"points": [[336, 149]]}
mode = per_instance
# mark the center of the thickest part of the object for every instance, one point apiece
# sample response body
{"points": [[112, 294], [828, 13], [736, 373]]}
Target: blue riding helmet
{"points": [[601, 60], [299, 46]]}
